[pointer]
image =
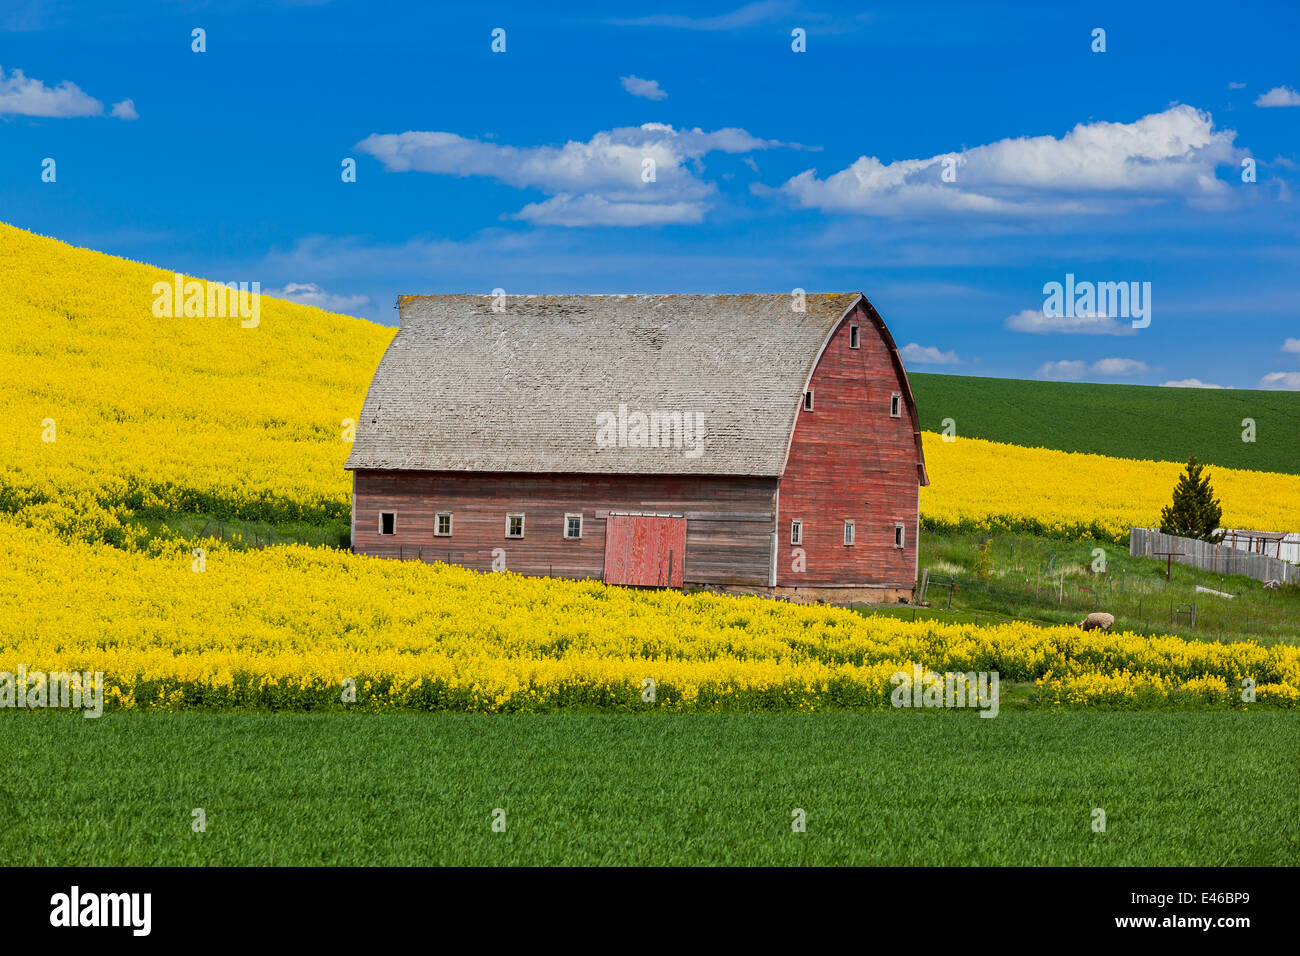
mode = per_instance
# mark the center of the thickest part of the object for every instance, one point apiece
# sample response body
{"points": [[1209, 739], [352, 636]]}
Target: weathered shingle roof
{"points": [[464, 388]]}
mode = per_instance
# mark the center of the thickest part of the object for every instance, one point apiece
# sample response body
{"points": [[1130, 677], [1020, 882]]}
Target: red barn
{"points": [[756, 443]]}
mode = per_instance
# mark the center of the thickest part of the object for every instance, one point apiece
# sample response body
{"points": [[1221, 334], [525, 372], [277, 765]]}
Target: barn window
{"points": [[573, 526], [848, 532], [442, 524], [388, 522], [855, 336], [808, 401], [895, 405], [514, 526], [796, 532], [899, 534]]}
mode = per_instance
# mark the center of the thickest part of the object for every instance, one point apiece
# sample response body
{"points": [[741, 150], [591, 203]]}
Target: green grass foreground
{"points": [[893, 788]]}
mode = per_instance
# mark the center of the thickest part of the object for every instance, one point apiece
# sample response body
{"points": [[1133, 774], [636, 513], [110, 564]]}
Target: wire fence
{"points": [[1045, 585], [268, 537]]}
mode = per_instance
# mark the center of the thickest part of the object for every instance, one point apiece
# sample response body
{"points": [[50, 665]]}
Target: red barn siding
{"points": [[850, 460], [645, 550], [728, 520]]}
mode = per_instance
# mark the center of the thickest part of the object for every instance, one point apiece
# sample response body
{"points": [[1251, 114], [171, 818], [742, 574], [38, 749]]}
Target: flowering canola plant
{"points": [[989, 486], [109, 410], [287, 627]]}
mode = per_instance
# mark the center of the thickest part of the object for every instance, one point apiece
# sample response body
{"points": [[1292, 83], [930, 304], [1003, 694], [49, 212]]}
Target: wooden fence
{"points": [[1147, 543]]}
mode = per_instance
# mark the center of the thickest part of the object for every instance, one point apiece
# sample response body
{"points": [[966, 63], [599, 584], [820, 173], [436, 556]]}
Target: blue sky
{"points": [[774, 169]]}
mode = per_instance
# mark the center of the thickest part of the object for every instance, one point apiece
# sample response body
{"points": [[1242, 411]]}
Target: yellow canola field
{"points": [[201, 415], [990, 486], [175, 413], [288, 626]]}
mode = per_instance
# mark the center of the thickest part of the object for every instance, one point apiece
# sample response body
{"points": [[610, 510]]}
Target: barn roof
{"points": [[528, 389]]}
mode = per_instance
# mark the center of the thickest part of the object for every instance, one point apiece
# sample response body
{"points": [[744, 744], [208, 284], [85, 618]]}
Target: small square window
{"points": [[808, 401], [573, 526], [895, 405], [848, 533], [442, 524], [388, 522], [514, 526], [855, 336], [796, 532], [900, 536]]}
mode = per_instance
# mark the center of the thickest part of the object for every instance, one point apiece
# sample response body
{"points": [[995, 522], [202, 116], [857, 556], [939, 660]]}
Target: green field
{"points": [[892, 788], [1125, 421]]}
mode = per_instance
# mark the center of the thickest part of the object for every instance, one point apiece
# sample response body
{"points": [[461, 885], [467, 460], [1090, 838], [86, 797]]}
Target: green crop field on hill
{"points": [[1125, 421]]}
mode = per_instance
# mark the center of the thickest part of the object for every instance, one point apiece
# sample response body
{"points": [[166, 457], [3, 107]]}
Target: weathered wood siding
{"points": [[850, 460], [645, 550], [729, 520]]}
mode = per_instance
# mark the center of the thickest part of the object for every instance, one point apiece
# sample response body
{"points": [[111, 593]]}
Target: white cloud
{"points": [[1033, 320], [1075, 369], [22, 95], [1236, 86], [649, 89], [1287, 380], [27, 96], [764, 11], [1291, 345], [928, 355], [596, 183], [1095, 168], [589, 210], [1062, 371], [1119, 366], [1279, 96], [1188, 383], [309, 293]]}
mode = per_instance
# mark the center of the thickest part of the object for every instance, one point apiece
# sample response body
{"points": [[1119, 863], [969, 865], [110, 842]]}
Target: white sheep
{"points": [[1097, 620]]}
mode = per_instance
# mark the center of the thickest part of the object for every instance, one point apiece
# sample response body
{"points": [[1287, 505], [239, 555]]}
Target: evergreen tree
{"points": [[1195, 512]]}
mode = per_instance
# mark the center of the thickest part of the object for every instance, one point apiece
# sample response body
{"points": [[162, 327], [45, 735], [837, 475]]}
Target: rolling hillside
{"points": [[1123, 421], [129, 428], [109, 407]]}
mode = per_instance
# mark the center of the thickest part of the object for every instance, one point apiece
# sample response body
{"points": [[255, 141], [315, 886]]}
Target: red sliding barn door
{"points": [[645, 550]]}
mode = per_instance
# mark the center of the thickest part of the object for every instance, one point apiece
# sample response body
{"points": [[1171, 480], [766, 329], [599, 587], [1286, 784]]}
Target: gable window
{"points": [[848, 533], [442, 524], [855, 336], [573, 526], [796, 532], [808, 401], [514, 526], [895, 405], [899, 534], [388, 522]]}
